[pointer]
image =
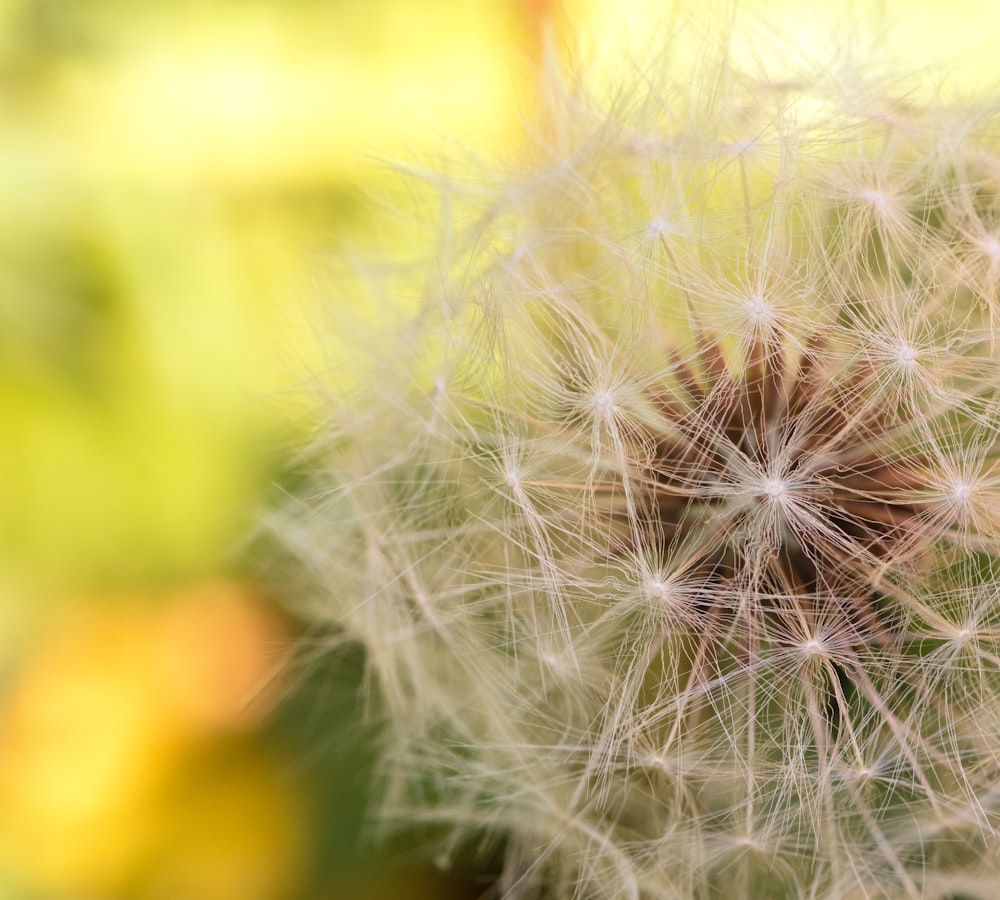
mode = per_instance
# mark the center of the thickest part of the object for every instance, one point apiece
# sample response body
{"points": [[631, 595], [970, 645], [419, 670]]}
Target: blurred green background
{"points": [[177, 182]]}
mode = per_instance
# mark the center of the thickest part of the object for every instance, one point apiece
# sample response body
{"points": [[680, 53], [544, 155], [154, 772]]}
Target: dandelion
{"points": [[681, 575]]}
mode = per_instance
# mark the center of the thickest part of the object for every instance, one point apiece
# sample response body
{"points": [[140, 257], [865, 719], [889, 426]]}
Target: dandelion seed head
{"points": [[878, 199], [759, 311], [658, 226], [775, 489], [740, 590], [905, 356], [557, 666], [603, 402], [654, 761], [739, 148], [961, 492], [991, 247], [864, 774], [660, 590], [814, 649], [749, 842]]}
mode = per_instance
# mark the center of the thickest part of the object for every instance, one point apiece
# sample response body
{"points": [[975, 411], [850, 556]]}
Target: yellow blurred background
{"points": [[174, 179], [177, 182]]}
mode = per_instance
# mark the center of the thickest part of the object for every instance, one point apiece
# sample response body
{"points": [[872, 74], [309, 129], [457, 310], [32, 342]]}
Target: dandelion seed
{"points": [[813, 649], [759, 312], [520, 254], [658, 590], [739, 148], [961, 492], [775, 489], [864, 775], [991, 247], [878, 199], [603, 402], [658, 226], [906, 356]]}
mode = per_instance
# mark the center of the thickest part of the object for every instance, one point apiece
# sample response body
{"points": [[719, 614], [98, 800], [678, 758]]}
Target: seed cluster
{"points": [[678, 564]]}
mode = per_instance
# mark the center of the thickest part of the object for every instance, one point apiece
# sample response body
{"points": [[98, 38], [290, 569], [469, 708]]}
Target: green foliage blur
{"points": [[172, 176], [178, 183]]}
